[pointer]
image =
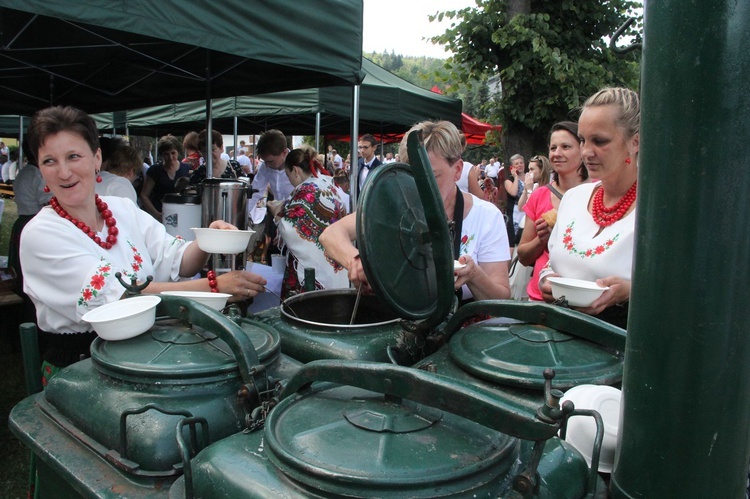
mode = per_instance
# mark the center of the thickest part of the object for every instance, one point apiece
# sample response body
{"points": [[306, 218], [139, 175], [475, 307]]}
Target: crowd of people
{"points": [[570, 212]]}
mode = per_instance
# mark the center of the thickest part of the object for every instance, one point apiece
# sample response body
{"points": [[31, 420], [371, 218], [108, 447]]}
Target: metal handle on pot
{"points": [[598, 439], [562, 319], [480, 405], [251, 370]]}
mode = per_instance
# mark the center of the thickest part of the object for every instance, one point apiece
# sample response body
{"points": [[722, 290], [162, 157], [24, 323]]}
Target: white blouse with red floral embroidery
{"points": [[66, 273], [578, 250]]}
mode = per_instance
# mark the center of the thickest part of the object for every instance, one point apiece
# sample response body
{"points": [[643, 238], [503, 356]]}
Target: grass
{"points": [[10, 213], [14, 456]]}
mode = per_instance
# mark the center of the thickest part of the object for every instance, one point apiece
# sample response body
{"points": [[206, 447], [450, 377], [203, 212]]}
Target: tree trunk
{"points": [[519, 140], [518, 7]]}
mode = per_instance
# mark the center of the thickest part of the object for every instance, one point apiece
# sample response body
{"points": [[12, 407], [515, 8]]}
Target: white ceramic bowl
{"points": [[217, 301], [124, 319], [229, 242], [582, 429], [457, 265], [579, 293]]}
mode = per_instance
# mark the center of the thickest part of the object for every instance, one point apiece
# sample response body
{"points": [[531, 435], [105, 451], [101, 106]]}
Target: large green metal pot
{"points": [[405, 250], [390, 431], [316, 325], [120, 422]]}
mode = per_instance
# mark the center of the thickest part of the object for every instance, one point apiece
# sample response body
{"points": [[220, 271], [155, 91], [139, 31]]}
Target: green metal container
{"points": [[479, 419], [123, 422], [386, 431], [408, 261], [316, 325]]}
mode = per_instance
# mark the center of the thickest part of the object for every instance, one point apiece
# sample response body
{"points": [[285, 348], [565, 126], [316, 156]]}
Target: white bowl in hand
{"points": [[228, 242], [217, 301], [577, 292], [125, 318], [457, 265]]}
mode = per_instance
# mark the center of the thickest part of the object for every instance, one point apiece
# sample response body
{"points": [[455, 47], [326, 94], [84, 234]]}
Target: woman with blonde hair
{"points": [[480, 241], [594, 236]]}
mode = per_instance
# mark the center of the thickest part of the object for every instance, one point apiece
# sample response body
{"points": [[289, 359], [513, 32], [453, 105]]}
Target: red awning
{"points": [[474, 130]]}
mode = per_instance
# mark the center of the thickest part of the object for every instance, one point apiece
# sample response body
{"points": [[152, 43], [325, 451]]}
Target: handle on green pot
{"points": [[562, 319]]}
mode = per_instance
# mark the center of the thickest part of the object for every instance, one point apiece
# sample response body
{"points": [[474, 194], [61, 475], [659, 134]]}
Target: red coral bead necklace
{"points": [[109, 222], [605, 216]]}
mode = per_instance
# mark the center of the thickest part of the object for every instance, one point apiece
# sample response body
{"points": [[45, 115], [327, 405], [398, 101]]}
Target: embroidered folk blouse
{"points": [[575, 248], [66, 273]]}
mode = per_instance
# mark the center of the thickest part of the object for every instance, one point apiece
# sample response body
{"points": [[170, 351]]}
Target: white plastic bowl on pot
{"points": [[581, 432], [124, 319], [577, 292], [227, 242], [217, 301]]}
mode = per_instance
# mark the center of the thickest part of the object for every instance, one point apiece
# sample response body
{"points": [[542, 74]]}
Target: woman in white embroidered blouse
{"points": [[72, 249], [593, 238]]}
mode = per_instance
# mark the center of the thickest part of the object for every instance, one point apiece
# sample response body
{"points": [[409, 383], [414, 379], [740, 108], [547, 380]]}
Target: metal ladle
{"points": [[356, 304], [281, 302]]}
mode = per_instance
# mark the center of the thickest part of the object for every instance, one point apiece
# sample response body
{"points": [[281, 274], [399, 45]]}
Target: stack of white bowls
{"points": [[581, 431]]}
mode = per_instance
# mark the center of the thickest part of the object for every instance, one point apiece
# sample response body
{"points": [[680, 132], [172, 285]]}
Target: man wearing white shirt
{"points": [[338, 163], [272, 150], [492, 169], [244, 161]]}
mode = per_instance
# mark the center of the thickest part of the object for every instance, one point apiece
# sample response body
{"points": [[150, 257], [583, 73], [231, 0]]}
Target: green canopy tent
{"points": [[388, 104], [104, 55], [13, 126]]}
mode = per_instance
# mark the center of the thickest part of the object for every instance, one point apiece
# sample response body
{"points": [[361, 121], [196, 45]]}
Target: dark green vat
{"points": [[385, 431], [121, 423]]}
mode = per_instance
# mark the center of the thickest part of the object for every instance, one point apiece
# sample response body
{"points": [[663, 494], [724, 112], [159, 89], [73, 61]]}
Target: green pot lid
{"points": [[173, 350], [509, 352], [356, 443], [404, 241]]}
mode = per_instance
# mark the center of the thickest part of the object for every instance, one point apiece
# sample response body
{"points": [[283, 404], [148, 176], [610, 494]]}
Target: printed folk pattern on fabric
{"points": [[95, 284], [464, 247], [311, 210], [587, 252], [98, 281]]}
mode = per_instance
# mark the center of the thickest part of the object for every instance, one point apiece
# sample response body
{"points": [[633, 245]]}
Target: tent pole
{"points": [[235, 132], [354, 183], [317, 132], [209, 123], [20, 140]]}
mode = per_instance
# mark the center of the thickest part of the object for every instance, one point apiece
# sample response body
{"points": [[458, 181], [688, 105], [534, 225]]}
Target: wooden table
{"points": [[8, 298]]}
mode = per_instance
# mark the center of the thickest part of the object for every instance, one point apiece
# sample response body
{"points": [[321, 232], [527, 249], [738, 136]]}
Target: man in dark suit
{"points": [[367, 146]]}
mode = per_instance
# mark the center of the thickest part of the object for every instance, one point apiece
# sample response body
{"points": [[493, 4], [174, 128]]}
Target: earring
{"points": [[628, 161], [98, 177], [46, 189]]}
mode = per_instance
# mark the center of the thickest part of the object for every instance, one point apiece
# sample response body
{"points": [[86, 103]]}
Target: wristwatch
{"points": [[529, 191]]}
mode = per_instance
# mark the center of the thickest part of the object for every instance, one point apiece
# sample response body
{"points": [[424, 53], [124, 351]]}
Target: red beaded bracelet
{"points": [[212, 281]]}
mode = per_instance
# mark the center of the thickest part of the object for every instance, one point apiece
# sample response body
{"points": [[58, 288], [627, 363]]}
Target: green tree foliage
{"points": [[549, 59]]}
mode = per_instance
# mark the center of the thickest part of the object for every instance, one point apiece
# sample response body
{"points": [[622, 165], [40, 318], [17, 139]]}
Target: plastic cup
{"points": [[277, 263]]}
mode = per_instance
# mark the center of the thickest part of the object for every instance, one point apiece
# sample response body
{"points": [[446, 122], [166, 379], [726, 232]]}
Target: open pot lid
{"points": [[509, 352], [175, 351], [403, 238], [351, 442]]}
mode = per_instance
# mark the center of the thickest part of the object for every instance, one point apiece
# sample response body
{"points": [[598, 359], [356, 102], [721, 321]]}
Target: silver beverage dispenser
{"points": [[225, 199]]}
